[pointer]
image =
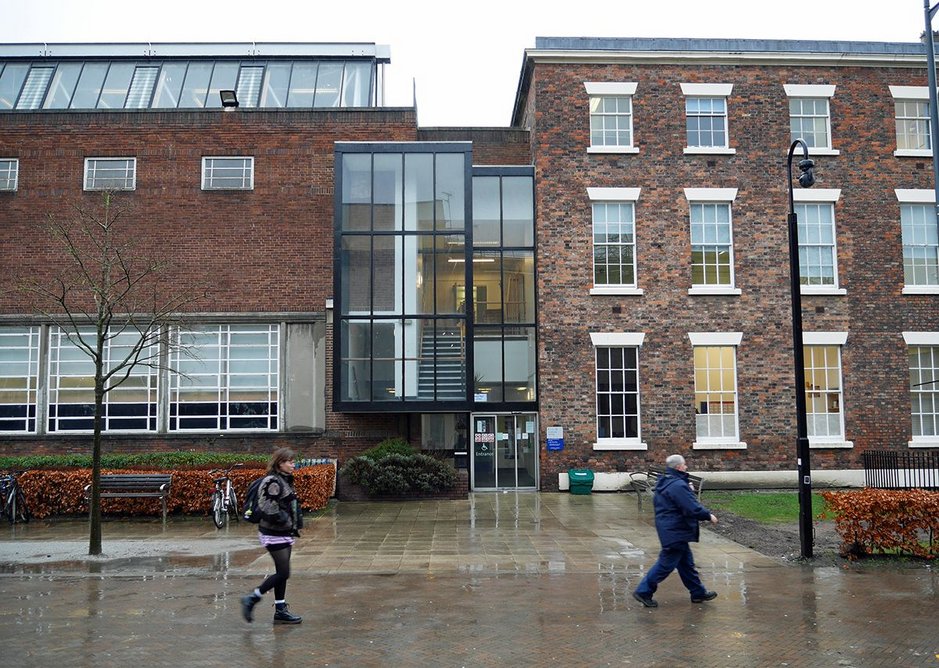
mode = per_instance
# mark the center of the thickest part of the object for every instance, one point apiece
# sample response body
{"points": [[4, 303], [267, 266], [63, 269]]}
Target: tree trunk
{"points": [[94, 503]]}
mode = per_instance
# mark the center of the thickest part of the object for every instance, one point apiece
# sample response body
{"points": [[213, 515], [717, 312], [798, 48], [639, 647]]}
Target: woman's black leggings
{"points": [[278, 580]]}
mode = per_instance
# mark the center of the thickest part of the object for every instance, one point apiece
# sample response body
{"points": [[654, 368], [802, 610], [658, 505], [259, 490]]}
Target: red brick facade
{"points": [[869, 249]]}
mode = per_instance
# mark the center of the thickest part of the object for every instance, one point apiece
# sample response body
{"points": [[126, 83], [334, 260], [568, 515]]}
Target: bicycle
{"points": [[224, 500], [13, 501]]}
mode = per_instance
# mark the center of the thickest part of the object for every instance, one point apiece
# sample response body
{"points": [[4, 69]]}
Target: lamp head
{"points": [[807, 176], [229, 99]]}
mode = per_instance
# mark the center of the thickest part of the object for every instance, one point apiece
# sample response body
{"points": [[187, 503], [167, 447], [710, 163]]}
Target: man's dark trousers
{"points": [[676, 555]]}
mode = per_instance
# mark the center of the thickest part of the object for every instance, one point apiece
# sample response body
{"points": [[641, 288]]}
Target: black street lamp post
{"points": [[806, 180]]}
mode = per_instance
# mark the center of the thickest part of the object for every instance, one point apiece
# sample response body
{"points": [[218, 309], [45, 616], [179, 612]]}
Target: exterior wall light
{"points": [[229, 99]]}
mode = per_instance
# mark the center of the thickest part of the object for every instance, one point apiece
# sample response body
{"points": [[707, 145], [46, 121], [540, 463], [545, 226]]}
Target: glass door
{"points": [[505, 451], [484, 452]]}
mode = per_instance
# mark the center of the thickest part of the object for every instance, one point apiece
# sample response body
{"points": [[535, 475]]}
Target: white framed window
{"points": [[617, 390], [130, 406], [228, 173], [824, 395], [706, 117], [818, 247], [9, 174], [715, 390], [19, 379], [712, 241], [225, 378], [614, 240], [920, 241], [810, 116], [911, 108], [611, 117], [110, 173], [923, 357]]}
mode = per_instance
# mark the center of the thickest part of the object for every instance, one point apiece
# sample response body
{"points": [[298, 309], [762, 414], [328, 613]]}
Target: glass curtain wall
{"points": [[401, 275], [187, 84], [503, 286]]}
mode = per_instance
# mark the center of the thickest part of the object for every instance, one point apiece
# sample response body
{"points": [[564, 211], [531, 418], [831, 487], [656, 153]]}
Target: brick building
{"points": [[614, 263], [308, 199], [663, 292]]}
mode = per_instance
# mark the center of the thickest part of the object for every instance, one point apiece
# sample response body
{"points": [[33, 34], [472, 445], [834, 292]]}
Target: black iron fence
{"points": [[891, 469]]}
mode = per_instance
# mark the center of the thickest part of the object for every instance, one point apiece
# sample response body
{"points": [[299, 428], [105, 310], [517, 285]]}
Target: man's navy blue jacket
{"points": [[677, 510]]}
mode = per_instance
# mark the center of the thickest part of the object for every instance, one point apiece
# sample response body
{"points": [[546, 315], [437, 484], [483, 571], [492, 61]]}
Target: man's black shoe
{"points": [[283, 616], [648, 602], [706, 596], [247, 606]]}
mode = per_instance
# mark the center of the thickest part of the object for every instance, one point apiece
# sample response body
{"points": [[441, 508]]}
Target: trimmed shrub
{"points": [[390, 446], [61, 492], [157, 460], [400, 475], [878, 521]]}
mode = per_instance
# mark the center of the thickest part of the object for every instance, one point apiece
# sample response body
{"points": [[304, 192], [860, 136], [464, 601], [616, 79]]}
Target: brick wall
{"points": [[876, 383], [491, 146], [267, 250]]}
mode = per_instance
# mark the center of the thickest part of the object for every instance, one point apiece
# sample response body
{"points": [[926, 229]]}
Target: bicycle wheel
{"points": [[20, 511], [218, 508], [9, 503], [233, 505]]}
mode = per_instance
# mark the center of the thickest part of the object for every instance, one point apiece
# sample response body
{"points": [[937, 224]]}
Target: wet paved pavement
{"points": [[499, 579]]}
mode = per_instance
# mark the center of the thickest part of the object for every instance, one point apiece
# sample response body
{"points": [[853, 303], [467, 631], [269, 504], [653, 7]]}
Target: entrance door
{"points": [[505, 451]]}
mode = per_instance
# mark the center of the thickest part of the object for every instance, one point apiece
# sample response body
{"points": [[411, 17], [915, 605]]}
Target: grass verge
{"points": [[765, 507]]}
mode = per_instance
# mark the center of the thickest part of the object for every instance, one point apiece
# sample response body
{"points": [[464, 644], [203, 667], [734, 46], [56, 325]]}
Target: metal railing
{"points": [[891, 469]]}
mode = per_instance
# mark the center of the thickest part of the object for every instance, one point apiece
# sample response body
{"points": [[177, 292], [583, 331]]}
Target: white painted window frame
{"points": [[28, 355], [720, 340], [221, 374], [92, 166], [208, 168], [838, 340], [915, 196], [917, 94], [601, 89], [921, 340], [9, 175], [815, 91], [829, 196], [73, 359], [619, 340], [630, 195], [715, 196], [710, 90]]}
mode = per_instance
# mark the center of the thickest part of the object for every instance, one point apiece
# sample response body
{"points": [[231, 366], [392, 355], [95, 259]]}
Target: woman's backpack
{"points": [[251, 513]]}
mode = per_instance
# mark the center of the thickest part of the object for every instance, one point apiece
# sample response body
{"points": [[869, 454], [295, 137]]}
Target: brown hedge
{"points": [[872, 521], [61, 492]]}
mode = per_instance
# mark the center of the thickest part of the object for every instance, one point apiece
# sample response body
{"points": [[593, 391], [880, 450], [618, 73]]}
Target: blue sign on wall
{"points": [[555, 438]]}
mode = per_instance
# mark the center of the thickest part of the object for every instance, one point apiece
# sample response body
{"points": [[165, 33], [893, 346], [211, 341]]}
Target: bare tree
{"points": [[108, 288]]}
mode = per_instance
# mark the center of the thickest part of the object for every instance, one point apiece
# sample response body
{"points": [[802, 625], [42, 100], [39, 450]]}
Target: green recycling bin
{"points": [[581, 480]]}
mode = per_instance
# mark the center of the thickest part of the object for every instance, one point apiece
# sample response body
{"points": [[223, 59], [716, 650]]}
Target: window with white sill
{"points": [[920, 245], [823, 394], [810, 116], [924, 391], [715, 394], [614, 244], [611, 116]]}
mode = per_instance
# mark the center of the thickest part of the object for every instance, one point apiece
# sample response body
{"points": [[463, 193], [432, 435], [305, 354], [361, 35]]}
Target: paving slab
{"points": [[495, 580]]}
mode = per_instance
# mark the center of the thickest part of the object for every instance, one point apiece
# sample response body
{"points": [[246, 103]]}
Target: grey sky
{"points": [[464, 58]]}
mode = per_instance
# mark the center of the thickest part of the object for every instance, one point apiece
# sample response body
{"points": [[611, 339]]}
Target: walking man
{"points": [[677, 513]]}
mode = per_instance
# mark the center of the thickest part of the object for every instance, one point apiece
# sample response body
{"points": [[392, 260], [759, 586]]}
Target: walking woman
{"points": [[281, 521]]}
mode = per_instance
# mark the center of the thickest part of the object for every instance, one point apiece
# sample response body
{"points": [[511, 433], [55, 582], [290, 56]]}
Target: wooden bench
{"points": [[643, 482], [135, 485]]}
